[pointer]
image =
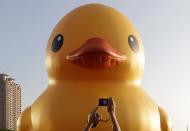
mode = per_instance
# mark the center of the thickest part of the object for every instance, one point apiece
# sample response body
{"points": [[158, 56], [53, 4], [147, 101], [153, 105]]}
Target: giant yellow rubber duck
{"points": [[94, 52]]}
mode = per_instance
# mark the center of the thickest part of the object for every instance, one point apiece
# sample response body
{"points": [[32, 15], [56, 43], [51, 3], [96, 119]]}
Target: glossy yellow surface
{"points": [[73, 91]]}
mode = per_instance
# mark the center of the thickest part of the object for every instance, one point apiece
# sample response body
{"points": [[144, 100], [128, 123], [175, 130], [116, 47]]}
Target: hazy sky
{"points": [[164, 25]]}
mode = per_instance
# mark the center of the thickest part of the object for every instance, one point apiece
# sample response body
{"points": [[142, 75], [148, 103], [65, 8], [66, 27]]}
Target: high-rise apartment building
{"points": [[10, 102]]}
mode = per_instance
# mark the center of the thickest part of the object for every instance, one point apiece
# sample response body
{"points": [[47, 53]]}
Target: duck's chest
{"points": [[67, 109]]}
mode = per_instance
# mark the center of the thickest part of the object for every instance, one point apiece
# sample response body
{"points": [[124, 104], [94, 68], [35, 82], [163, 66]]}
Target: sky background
{"points": [[164, 25]]}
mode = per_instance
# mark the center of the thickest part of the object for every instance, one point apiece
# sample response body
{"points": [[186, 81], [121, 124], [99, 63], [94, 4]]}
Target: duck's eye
{"points": [[57, 43], [133, 43]]}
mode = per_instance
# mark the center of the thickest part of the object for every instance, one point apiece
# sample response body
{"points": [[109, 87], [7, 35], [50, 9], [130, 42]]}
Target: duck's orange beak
{"points": [[96, 53]]}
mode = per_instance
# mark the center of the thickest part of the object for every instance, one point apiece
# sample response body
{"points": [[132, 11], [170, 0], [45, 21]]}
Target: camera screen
{"points": [[103, 102]]}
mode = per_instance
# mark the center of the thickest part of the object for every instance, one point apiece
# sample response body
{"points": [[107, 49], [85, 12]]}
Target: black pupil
{"points": [[57, 43], [133, 43]]}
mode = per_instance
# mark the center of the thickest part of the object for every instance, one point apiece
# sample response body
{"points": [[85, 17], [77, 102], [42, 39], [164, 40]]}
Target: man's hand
{"points": [[93, 116], [111, 110], [111, 105]]}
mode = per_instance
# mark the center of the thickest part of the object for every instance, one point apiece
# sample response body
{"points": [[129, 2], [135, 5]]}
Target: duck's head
{"points": [[95, 43]]}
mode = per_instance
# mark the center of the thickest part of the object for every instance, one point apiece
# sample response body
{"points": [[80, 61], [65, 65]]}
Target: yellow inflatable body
{"points": [[94, 52]]}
